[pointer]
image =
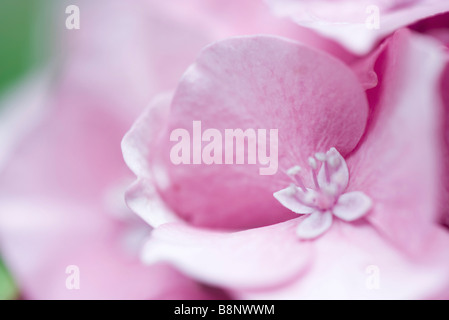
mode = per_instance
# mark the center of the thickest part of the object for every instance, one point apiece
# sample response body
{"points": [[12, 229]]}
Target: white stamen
{"points": [[291, 189], [312, 163], [326, 171], [330, 189], [320, 156], [293, 171], [310, 199], [327, 194], [338, 178], [334, 162]]}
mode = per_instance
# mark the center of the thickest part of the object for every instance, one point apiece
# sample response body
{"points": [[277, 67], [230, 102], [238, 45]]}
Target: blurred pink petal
{"points": [[445, 93], [334, 266], [354, 261], [56, 211], [41, 238], [255, 258], [128, 51], [364, 67], [21, 108], [68, 165], [437, 27], [349, 21]]}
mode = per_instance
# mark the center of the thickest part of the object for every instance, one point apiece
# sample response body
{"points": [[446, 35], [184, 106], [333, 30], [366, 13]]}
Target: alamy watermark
{"points": [[73, 19], [372, 22], [190, 150], [73, 279], [373, 279]]}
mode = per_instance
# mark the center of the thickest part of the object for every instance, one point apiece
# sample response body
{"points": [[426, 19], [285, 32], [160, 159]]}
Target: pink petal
{"points": [[398, 163], [134, 50], [338, 265], [364, 67], [346, 21], [253, 258], [314, 225], [126, 52], [353, 261], [142, 197], [352, 206], [141, 138], [435, 26], [55, 209], [290, 201], [445, 93], [260, 82], [40, 239]]}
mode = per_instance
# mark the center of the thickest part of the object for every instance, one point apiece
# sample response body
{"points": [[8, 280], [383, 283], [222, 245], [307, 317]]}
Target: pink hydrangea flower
{"points": [[357, 24], [62, 172], [221, 224]]}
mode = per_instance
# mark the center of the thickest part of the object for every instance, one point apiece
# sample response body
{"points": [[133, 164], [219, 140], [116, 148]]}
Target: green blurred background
{"points": [[7, 288], [22, 42]]}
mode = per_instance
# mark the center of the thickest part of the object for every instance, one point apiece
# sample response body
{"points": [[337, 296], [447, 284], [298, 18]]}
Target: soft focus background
{"points": [[80, 91], [23, 37]]}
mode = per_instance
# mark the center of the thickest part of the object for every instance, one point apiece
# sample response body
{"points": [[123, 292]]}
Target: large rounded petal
{"points": [[353, 23], [313, 101], [256, 258], [399, 161], [350, 261]]}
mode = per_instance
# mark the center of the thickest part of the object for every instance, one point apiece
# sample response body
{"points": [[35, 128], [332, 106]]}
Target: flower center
{"points": [[329, 181], [326, 199]]}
